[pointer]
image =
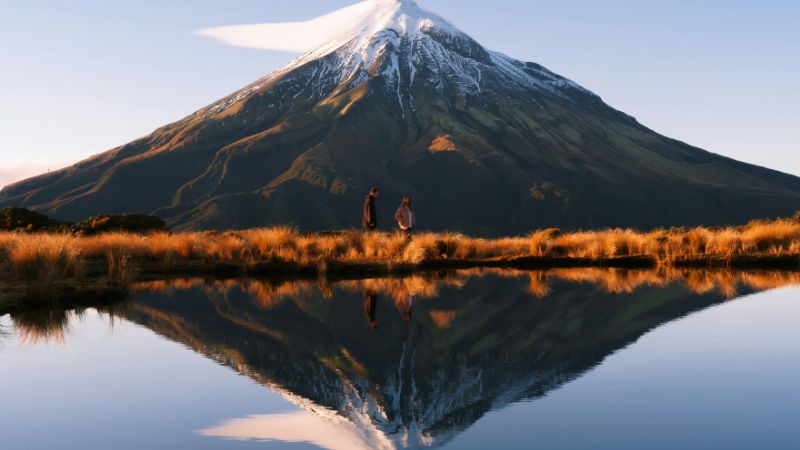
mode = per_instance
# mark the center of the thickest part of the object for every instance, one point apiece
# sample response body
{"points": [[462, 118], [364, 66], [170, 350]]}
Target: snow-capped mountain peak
{"points": [[407, 48], [375, 21]]}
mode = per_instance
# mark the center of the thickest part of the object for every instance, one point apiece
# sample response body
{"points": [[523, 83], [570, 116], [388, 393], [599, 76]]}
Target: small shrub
{"points": [[271, 241], [129, 223], [121, 268], [448, 245], [422, 246], [22, 219], [697, 240], [542, 240]]}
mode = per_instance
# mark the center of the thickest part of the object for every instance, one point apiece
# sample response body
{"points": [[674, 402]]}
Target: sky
{"points": [[82, 76]]}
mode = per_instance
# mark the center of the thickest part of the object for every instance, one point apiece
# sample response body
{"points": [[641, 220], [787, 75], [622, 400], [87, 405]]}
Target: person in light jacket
{"points": [[405, 217]]}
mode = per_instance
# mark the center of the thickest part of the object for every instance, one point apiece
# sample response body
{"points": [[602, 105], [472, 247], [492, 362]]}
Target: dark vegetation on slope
{"points": [[26, 221]]}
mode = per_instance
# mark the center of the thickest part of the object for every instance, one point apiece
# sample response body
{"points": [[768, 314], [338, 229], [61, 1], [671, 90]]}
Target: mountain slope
{"points": [[405, 101]]}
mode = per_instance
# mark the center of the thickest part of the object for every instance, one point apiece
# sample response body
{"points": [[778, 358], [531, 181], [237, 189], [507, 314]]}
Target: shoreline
{"points": [[97, 288], [36, 266], [365, 268], [336, 269]]}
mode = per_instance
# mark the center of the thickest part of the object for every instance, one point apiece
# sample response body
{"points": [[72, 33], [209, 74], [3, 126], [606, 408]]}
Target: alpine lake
{"points": [[558, 359]]}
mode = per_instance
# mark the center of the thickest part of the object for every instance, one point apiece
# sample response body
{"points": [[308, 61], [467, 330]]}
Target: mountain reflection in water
{"points": [[411, 362]]}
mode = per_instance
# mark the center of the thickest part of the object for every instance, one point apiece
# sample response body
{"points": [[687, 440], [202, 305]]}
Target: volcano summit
{"points": [[403, 100]]}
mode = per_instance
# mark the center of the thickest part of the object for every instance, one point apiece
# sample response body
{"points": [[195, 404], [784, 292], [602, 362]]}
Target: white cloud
{"points": [[291, 36], [332, 432]]}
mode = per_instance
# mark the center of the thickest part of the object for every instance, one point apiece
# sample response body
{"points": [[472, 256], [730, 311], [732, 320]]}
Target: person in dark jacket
{"points": [[370, 219], [371, 308]]}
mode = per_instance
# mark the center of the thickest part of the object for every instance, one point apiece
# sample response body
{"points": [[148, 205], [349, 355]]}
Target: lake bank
{"points": [[399, 281], [50, 265], [101, 279]]}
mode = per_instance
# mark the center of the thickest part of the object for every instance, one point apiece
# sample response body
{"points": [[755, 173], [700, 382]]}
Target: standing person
{"points": [[405, 216], [371, 308], [370, 219], [405, 305]]}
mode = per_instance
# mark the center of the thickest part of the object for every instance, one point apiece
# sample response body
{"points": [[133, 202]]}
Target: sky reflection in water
{"points": [[563, 359]]}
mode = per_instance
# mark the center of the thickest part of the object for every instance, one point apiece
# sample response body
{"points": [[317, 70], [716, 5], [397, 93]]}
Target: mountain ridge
{"points": [[405, 101]]}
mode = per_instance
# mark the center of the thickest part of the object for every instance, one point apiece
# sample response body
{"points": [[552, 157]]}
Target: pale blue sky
{"points": [[81, 76]]}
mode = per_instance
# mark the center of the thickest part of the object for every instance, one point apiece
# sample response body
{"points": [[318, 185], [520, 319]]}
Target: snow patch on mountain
{"points": [[399, 42], [374, 18]]}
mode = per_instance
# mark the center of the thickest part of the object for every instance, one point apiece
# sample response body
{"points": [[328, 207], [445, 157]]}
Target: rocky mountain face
{"points": [[405, 101]]}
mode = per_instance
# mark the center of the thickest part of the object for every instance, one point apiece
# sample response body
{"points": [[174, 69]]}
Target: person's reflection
{"points": [[405, 304], [371, 308]]}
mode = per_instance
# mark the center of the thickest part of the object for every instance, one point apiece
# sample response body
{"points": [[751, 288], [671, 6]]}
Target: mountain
{"points": [[405, 101], [416, 382]]}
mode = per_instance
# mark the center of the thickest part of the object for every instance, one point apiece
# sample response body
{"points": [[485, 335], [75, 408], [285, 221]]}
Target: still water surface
{"points": [[564, 360]]}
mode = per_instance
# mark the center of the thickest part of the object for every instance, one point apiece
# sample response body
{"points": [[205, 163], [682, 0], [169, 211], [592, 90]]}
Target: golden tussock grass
{"points": [[776, 237], [626, 281], [40, 262], [405, 292], [699, 281], [264, 294], [44, 257]]}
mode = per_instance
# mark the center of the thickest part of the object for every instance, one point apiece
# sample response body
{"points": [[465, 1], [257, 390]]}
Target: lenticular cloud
{"points": [[291, 36]]}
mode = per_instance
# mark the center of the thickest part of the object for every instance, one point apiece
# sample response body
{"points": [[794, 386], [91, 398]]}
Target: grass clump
{"points": [[44, 258], [776, 237]]}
